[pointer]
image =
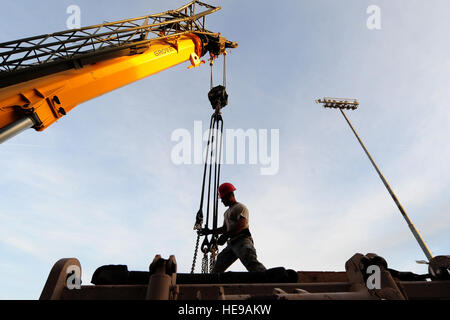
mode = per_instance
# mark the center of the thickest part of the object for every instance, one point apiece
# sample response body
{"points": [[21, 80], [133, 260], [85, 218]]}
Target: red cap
{"points": [[225, 188]]}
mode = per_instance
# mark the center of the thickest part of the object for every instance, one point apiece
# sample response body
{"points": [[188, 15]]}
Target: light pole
{"points": [[352, 104]]}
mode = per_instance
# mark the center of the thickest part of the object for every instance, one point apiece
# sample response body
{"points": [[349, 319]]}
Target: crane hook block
{"points": [[218, 97]]}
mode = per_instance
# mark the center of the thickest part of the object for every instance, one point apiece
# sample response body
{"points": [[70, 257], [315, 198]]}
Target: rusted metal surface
{"points": [[209, 293], [302, 295], [425, 290], [357, 270], [119, 274], [57, 279], [163, 275], [321, 276], [439, 267], [419, 290], [189, 292], [110, 292], [162, 285]]}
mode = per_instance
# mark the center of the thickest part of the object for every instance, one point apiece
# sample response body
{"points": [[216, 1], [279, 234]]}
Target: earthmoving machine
{"points": [[42, 78]]}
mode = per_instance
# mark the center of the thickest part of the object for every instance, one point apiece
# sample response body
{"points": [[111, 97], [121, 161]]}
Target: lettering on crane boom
{"points": [[160, 52]]}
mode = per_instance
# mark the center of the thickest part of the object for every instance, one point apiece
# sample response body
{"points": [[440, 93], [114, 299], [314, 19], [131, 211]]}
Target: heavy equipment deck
{"points": [[162, 282]]}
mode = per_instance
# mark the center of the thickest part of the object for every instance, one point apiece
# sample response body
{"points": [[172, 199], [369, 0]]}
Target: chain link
{"points": [[205, 263], [212, 259], [195, 253]]}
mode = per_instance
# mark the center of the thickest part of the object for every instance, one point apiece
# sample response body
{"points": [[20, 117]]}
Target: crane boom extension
{"points": [[42, 78]]}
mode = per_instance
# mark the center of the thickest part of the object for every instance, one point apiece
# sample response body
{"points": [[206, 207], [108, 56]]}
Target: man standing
{"points": [[235, 229]]}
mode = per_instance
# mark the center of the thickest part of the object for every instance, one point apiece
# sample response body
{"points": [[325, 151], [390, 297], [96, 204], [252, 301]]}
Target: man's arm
{"points": [[236, 228], [239, 218], [220, 230], [241, 225]]}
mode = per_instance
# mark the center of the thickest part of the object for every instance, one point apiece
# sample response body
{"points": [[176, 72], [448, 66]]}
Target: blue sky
{"points": [[99, 185]]}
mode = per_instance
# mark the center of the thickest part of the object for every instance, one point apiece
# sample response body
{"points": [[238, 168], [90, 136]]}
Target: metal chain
{"points": [[211, 263], [205, 263], [212, 259], [195, 253]]}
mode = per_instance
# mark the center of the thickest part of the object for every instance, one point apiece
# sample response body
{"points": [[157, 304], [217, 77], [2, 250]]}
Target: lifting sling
{"points": [[219, 99]]}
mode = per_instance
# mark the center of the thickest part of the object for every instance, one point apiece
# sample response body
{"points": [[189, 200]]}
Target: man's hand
{"points": [[205, 231], [222, 239]]}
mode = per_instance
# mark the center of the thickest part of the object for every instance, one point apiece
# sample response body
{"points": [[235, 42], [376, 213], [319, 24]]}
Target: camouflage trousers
{"points": [[241, 248]]}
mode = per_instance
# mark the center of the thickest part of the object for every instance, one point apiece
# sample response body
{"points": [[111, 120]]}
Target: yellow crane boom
{"points": [[42, 78]]}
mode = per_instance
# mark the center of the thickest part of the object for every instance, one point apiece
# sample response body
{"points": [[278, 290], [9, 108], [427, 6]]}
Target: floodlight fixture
{"points": [[339, 103]]}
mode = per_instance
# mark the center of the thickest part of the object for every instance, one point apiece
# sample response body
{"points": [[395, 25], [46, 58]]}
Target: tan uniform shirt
{"points": [[232, 214]]}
